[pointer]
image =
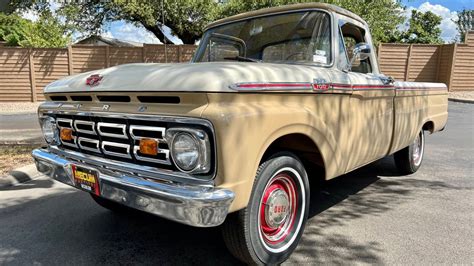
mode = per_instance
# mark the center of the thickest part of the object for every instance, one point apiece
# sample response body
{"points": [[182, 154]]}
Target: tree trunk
{"points": [[156, 30]]}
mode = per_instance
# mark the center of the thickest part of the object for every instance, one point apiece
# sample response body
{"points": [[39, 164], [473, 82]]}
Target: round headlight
{"points": [[185, 151], [50, 131]]}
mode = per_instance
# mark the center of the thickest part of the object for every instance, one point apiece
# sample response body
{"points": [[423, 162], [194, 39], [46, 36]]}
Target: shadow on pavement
{"points": [[70, 228]]}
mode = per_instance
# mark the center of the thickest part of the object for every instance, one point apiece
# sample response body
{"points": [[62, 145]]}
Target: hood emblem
{"points": [[93, 80]]}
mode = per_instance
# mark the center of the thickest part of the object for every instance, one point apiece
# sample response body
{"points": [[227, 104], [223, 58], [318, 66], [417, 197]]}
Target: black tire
{"points": [[249, 232], [111, 205], [409, 160]]}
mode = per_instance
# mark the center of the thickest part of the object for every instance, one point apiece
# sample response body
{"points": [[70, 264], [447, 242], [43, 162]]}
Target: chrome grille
{"points": [[116, 138]]}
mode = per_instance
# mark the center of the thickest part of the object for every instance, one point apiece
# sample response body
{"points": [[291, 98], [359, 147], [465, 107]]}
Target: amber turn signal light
{"points": [[66, 134], [149, 146]]}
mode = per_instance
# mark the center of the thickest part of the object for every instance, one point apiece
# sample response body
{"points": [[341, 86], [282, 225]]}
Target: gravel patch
{"points": [[469, 95], [12, 157], [18, 108]]}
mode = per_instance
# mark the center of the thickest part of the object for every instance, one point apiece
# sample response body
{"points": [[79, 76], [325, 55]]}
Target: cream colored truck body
{"points": [[255, 107]]}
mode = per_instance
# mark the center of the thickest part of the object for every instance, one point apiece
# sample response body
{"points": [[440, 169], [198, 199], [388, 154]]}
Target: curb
{"points": [[19, 176], [461, 100], [33, 142]]}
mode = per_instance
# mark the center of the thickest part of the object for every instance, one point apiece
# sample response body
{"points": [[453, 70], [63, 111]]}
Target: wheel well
{"points": [[306, 150], [429, 126]]}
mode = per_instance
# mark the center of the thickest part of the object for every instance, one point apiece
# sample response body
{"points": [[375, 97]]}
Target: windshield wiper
{"points": [[242, 59]]}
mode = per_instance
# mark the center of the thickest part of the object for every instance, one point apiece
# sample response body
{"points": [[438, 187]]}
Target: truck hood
{"points": [[185, 77]]}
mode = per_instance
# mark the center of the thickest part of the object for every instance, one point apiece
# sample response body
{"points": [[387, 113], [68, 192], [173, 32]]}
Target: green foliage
{"points": [[46, 32], [382, 16], [187, 18], [465, 22], [424, 28]]}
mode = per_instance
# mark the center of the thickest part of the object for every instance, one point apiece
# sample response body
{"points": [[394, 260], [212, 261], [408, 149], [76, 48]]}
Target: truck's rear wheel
{"points": [[270, 227], [408, 160]]}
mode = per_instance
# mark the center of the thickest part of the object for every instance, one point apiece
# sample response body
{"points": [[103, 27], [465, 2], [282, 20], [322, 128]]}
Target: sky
{"points": [[447, 9]]}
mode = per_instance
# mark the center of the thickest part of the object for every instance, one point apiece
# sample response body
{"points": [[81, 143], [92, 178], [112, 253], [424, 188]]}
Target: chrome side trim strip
{"points": [[118, 145]]}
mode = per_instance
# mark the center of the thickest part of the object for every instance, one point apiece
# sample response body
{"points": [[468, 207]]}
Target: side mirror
{"points": [[362, 51]]}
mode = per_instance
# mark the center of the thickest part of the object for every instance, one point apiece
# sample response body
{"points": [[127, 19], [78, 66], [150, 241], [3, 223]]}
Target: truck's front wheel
{"points": [[408, 160], [270, 227]]}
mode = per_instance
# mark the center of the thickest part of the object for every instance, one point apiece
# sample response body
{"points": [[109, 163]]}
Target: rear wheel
{"points": [[408, 160], [270, 227]]}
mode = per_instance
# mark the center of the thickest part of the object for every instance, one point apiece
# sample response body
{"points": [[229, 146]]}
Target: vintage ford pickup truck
{"points": [[272, 100]]}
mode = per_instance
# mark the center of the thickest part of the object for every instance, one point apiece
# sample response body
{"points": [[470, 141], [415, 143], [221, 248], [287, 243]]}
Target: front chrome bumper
{"points": [[192, 205]]}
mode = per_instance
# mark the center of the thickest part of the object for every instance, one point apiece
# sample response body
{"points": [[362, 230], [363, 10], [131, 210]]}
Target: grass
{"points": [[12, 157]]}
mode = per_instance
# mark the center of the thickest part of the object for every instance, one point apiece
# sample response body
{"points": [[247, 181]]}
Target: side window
{"points": [[353, 35]]}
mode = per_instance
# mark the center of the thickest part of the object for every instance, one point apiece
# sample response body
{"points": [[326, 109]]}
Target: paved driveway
{"points": [[372, 215]]}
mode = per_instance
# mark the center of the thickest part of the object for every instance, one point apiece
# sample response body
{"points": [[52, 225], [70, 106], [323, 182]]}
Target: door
{"points": [[371, 104]]}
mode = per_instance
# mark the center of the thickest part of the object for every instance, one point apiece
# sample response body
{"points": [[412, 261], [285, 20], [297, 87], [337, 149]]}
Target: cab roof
{"points": [[287, 8]]}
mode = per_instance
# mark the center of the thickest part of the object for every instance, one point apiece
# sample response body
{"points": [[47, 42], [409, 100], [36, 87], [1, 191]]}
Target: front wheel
{"points": [[270, 227], [408, 160]]}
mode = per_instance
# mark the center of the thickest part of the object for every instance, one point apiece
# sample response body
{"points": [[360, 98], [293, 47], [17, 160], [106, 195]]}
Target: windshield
{"points": [[301, 37]]}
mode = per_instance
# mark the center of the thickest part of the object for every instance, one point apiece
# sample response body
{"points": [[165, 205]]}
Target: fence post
{"points": [[453, 65], [32, 75], [440, 53], [144, 53], [379, 48], [69, 60], [407, 67], [107, 56]]}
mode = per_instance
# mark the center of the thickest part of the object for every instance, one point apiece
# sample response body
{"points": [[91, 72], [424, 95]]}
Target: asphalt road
{"points": [[372, 215], [20, 128]]}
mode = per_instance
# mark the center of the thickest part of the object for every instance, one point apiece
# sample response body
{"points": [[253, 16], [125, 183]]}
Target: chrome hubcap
{"points": [[277, 208]]}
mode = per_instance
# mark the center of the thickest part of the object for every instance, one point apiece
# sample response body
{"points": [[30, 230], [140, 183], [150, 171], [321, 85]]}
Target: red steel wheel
{"points": [[278, 209]]}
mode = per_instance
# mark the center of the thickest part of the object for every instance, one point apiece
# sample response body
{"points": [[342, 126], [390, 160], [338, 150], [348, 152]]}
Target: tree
{"points": [[424, 28], [465, 22], [382, 16], [46, 32], [187, 18]]}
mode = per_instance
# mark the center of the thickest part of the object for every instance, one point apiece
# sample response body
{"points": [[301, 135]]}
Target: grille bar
{"points": [[115, 138], [111, 129], [88, 144]]}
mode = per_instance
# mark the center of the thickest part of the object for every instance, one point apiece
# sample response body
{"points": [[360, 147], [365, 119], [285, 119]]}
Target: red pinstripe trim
{"points": [[273, 85]]}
